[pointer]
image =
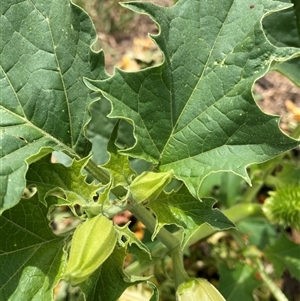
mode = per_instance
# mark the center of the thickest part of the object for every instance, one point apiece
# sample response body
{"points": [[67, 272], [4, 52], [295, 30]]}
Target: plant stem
{"points": [[277, 293], [171, 242], [145, 216], [235, 214], [259, 177], [103, 177], [98, 173], [180, 274]]}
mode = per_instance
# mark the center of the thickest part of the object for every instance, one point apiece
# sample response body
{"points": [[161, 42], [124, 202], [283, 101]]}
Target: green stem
{"points": [[180, 274], [277, 293], [112, 210], [145, 216], [98, 173], [171, 242], [235, 214], [252, 192], [103, 177]]}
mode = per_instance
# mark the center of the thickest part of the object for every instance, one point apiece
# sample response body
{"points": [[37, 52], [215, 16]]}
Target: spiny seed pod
{"points": [[92, 243], [283, 206], [198, 289]]}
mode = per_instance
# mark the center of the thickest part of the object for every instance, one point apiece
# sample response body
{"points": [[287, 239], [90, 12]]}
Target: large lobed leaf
{"points": [[45, 53], [195, 113], [31, 256]]}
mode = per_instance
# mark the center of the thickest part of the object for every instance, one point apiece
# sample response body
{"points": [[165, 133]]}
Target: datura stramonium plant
{"points": [[283, 206]]}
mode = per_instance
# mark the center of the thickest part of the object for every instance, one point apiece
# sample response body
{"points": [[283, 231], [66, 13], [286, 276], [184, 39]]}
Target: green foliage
{"points": [[237, 283], [32, 257], [284, 254], [282, 29], [172, 127], [163, 102]]}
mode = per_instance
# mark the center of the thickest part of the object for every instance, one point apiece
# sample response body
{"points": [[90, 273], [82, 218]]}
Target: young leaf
{"points": [[155, 294], [100, 128], [195, 113], [182, 209], [238, 283], [131, 238], [64, 182], [284, 254], [45, 53], [31, 256]]}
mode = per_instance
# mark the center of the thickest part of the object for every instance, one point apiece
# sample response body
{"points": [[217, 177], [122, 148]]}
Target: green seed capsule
{"points": [[283, 206], [92, 243], [198, 289]]}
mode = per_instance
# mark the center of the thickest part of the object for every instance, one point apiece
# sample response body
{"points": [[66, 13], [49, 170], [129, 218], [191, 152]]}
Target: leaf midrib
{"points": [[196, 85]]}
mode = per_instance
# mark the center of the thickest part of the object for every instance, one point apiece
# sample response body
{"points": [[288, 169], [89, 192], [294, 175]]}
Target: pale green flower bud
{"points": [[92, 243], [198, 289], [149, 185]]}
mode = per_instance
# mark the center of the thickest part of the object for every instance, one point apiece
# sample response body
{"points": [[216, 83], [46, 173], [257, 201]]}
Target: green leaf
{"points": [[118, 165], [155, 294], [237, 284], [195, 113], [182, 209], [110, 281], [227, 188], [45, 53], [63, 182], [32, 257], [130, 238], [258, 231], [284, 254], [283, 29]]}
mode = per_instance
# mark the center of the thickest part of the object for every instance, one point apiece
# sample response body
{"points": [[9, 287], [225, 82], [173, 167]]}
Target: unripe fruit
{"points": [[283, 206]]}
